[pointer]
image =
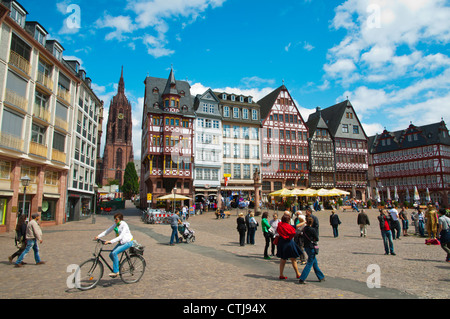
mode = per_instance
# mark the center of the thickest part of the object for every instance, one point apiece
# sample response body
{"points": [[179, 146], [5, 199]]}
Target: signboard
{"points": [[149, 197]]}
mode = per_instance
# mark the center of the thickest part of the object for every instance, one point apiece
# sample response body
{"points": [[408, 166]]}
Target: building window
{"points": [[345, 128], [237, 171], [5, 170], [59, 142], [226, 111], [254, 115], [355, 129], [38, 134], [245, 114], [235, 112]]}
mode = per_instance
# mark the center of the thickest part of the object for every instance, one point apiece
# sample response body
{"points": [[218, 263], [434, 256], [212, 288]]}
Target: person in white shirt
{"points": [[395, 223], [123, 238]]}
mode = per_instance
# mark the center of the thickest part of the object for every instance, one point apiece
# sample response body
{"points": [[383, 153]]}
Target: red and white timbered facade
{"points": [[284, 143], [415, 157], [167, 138]]}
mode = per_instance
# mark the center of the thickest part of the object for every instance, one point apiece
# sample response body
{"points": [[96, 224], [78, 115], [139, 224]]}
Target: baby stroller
{"points": [[186, 233]]}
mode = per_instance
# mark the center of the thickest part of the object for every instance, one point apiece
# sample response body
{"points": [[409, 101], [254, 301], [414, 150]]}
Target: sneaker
{"points": [[18, 265], [40, 263], [393, 254], [113, 275], [301, 282], [267, 257]]}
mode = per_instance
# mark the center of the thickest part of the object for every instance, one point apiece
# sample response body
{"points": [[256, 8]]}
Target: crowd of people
{"points": [[295, 236]]}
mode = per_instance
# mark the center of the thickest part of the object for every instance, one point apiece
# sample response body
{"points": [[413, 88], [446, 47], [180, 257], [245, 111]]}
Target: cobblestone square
{"points": [[216, 267]]}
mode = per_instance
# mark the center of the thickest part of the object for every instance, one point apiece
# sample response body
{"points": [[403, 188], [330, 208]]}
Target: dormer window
{"points": [[233, 98], [224, 96], [39, 36], [241, 98], [155, 90], [249, 100], [18, 14]]}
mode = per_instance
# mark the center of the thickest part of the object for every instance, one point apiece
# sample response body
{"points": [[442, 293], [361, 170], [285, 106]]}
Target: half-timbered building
{"points": [[284, 143], [351, 152], [167, 133], [322, 166], [418, 156]]}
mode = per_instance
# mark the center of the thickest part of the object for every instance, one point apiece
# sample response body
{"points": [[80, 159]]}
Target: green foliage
{"points": [[130, 185]]}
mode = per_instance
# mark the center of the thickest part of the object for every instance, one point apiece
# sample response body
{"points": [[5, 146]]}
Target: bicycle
{"points": [[131, 267]]}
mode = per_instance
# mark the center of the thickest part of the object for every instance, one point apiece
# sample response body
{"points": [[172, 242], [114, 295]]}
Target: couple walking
{"points": [[288, 249]]}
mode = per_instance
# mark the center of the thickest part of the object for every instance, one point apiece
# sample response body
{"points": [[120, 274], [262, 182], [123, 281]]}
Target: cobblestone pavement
{"points": [[216, 267]]}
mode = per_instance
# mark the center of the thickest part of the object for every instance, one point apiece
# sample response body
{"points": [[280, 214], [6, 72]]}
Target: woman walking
{"points": [[286, 247], [310, 238], [21, 232], [265, 228], [241, 228]]}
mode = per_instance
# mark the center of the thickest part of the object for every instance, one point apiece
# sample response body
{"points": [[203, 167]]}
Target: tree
{"points": [[130, 185]]}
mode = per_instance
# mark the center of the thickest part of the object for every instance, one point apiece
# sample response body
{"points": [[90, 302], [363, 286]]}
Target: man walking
{"points": [[33, 236], [363, 222]]}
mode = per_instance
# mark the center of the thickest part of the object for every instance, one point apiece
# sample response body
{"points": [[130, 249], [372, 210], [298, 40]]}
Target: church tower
{"points": [[119, 143]]}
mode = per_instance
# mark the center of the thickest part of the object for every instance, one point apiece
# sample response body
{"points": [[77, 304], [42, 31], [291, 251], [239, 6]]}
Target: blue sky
{"points": [[390, 57]]}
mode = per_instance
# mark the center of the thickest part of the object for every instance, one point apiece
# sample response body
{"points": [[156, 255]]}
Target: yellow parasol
{"points": [[282, 193], [173, 197]]}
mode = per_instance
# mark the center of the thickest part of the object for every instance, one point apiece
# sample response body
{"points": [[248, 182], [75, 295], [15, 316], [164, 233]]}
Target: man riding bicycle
{"points": [[123, 237]]}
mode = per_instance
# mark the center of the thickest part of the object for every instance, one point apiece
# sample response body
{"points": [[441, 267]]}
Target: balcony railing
{"points": [[11, 141], [41, 112], [59, 122], [45, 80], [19, 61], [15, 99], [38, 149], [58, 156], [64, 94]]}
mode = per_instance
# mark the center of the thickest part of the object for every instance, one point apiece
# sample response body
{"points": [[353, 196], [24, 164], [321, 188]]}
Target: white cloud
{"points": [[121, 24], [152, 16]]}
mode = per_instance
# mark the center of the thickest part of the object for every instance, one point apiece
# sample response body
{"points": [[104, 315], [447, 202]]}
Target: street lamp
{"points": [[25, 183]]}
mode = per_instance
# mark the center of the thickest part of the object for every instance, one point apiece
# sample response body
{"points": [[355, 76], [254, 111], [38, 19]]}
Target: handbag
{"points": [[314, 244]]}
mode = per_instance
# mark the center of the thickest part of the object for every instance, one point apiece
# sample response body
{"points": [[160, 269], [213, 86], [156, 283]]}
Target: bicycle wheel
{"points": [[132, 269], [88, 274]]}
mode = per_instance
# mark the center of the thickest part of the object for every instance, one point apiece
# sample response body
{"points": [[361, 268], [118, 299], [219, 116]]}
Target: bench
{"points": [[344, 208]]}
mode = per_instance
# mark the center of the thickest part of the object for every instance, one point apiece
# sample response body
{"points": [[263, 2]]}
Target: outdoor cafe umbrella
{"points": [[416, 194], [175, 197], [324, 192], [339, 192], [282, 192], [310, 192], [388, 194], [395, 194], [378, 195], [428, 198], [408, 198]]}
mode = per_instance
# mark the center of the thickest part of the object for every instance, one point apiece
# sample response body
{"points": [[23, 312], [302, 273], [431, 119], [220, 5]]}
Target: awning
{"points": [[52, 195], [237, 188], [6, 193]]}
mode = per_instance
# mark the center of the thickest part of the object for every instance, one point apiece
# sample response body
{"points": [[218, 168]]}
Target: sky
{"points": [[390, 58]]}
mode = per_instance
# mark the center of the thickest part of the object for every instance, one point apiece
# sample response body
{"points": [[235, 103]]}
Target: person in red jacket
{"points": [[286, 247], [386, 233]]}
